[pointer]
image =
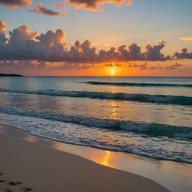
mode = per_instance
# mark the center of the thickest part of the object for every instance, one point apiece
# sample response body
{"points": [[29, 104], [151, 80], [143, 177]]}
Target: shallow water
{"points": [[149, 117]]}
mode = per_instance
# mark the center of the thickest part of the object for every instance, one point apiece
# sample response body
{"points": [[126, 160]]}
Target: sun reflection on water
{"points": [[113, 108]]}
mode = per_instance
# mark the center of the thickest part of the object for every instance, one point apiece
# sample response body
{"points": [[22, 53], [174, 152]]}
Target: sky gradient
{"points": [[96, 37]]}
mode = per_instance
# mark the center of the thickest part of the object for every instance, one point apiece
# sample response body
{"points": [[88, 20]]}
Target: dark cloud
{"points": [[3, 41], [184, 54], [175, 66], [109, 55], [16, 46], [153, 53], [71, 65], [114, 64], [26, 66], [26, 45], [23, 44], [11, 4], [134, 65], [143, 66], [21, 65], [82, 52], [133, 53], [50, 46], [20, 35], [152, 66], [94, 5], [40, 9]]}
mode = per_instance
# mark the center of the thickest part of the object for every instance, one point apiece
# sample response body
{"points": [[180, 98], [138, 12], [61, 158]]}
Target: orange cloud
{"points": [[12, 4], [94, 5], [187, 38], [3, 27]]}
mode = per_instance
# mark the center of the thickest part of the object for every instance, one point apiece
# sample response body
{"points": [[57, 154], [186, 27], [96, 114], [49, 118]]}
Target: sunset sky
{"points": [[96, 37]]}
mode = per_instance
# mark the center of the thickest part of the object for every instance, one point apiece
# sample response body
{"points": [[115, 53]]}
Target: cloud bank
{"points": [[92, 5], [23, 44], [12, 4]]}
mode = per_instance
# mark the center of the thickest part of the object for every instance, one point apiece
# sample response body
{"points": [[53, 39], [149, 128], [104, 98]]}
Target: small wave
{"points": [[138, 84], [144, 98], [97, 138], [152, 129]]}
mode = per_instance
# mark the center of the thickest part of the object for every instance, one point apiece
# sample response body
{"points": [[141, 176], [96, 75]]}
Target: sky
{"points": [[96, 37]]}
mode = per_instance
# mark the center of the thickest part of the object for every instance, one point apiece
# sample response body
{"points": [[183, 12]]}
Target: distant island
{"points": [[10, 75]]}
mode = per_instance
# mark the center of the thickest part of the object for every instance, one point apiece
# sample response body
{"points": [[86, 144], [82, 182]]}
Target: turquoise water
{"points": [[148, 117]]}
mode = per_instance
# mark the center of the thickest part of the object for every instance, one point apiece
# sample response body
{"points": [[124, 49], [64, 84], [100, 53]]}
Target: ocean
{"points": [[147, 116]]}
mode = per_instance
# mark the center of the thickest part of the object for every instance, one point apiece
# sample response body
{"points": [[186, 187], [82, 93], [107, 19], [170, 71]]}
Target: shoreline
{"points": [[40, 168], [172, 175]]}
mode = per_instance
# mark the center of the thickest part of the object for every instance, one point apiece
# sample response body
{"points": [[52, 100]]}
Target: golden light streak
{"points": [[188, 38], [106, 159]]}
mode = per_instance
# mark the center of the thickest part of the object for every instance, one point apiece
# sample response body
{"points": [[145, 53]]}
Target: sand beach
{"points": [[26, 166]]}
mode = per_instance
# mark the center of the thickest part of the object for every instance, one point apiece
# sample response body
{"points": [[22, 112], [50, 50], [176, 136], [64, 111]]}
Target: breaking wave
{"points": [[144, 98], [138, 84], [152, 129]]}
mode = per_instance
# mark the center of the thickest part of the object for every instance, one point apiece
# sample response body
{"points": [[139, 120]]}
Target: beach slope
{"points": [[26, 166]]}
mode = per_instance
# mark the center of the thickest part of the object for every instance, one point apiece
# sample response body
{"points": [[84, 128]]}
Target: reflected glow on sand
{"points": [[98, 156], [31, 138]]}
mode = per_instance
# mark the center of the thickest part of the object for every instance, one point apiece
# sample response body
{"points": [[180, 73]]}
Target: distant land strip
{"points": [[10, 75]]}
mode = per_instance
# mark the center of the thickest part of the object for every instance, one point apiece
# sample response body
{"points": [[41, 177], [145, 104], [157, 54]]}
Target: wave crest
{"points": [[152, 129], [138, 84], [144, 98]]}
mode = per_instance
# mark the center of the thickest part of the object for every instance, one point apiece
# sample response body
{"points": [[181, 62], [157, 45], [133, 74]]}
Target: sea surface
{"points": [[149, 117]]}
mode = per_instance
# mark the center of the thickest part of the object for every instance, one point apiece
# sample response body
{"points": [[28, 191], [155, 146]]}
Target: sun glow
{"points": [[112, 73]]}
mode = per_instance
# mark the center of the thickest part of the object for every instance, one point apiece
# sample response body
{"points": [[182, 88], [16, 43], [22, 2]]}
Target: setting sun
{"points": [[112, 73]]}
